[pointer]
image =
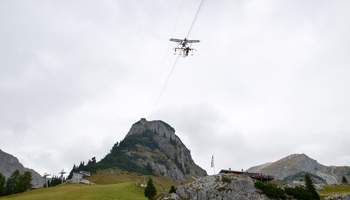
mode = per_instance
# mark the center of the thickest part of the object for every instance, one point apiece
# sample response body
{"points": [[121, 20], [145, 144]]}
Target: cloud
{"points": [[268, 79]]}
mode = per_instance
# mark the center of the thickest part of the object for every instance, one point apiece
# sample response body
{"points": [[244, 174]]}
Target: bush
{"points": [[299, 193], [270, 190], [172, 189], [226, 179], [344, 180]]}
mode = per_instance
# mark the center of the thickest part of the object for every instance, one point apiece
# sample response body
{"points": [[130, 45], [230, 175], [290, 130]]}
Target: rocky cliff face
{"points": [[219, 187], [151, 147], [9, 164], [293, 167]]}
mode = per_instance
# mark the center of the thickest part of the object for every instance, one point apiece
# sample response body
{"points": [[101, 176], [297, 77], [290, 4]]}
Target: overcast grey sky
{"points": [[270, 78]]}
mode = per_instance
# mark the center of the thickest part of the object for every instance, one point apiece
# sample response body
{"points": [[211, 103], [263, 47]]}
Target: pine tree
{"points": [[55, 180], [150, 190], [81, 165], [2, 184], [344, 180], [12, 182], [172, 189], [311, 188], [115, 148], [74, 169], [93, 160], [24, 182]]}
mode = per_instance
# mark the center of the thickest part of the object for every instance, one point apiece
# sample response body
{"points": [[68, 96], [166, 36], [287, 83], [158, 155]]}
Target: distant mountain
{"points": [[295, 166], [9, 164], [151, 147]]}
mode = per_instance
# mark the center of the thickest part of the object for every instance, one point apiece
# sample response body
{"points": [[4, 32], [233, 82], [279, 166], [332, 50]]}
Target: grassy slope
{"points": [[337, 189], [112, 184], [121, 191], [112, 176]]}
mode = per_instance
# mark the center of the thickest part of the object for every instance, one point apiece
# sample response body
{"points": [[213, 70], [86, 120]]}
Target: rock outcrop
{"points": [[151, 147], [9, 164], [219, 187], [295, 166]]}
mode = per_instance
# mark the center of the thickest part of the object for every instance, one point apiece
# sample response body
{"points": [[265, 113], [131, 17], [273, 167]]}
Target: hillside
{"points": [[122, 191], [151, 148], [294, 167], [109, 184], [115, 176], [9, 164]]}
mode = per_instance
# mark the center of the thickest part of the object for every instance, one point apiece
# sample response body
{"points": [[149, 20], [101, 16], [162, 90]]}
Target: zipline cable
{"points": [[177, 58], [165, 83], [195, 18]]}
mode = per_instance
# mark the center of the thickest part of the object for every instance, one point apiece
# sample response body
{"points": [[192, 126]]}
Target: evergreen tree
{"points": [[55, 180], [93, 160], [2, 184], [172, 189], [311, 188], [24, 182], [74, 169], [344, 180], [81, 166], [115, 148], [12, 182], [150, 190]]}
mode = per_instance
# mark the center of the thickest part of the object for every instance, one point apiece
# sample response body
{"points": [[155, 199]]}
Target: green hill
{"points": [[113, 176], [335, 189], [120, 191], [111, 184]]}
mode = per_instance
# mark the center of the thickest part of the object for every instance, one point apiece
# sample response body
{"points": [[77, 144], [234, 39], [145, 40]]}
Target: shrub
{"points": [[298, 192], [301, 193], [172, 189], [270, 190], [226, 179], [344, 180]]}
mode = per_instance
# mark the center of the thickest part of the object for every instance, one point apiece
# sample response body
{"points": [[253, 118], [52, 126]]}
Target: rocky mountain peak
{"points": [[297, 156], [152, 147], [9, 164], [155, 126]]}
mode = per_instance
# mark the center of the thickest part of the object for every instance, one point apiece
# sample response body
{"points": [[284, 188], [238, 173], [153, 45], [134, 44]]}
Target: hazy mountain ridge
{"points": [[291, 167], [151, 147], [9, 164]]}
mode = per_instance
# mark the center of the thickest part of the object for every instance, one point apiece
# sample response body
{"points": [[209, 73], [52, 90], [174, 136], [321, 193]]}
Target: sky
{"points": [[269, 78]]}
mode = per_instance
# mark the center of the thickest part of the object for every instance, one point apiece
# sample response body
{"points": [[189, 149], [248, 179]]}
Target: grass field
{"points": [[112, 184], [120, 191], [336, 189], [113, 176]]}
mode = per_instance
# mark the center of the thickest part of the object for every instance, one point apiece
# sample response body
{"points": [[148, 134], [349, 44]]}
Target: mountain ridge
{"points": [[291, 167], [9, 164], [152, 147]]}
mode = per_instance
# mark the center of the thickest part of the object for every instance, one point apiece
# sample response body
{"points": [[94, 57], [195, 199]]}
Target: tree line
{"points": [[307, 192], [16, 183]]}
